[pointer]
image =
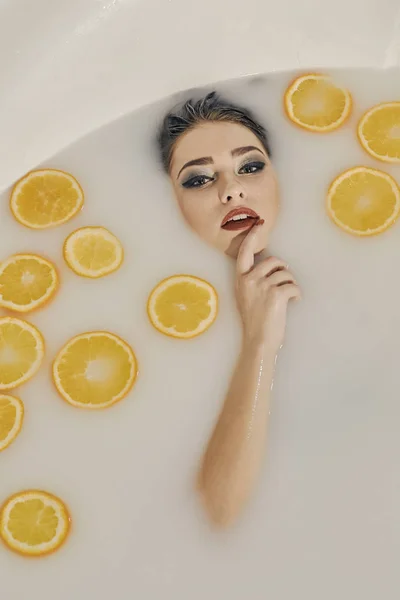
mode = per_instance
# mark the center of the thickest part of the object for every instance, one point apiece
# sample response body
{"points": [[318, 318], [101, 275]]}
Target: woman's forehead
{"points": [[212, 139]]}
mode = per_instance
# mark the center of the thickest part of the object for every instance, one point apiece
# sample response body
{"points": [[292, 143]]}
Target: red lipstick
{"points": [[239, 218]]}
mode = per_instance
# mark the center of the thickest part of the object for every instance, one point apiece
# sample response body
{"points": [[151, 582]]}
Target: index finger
{"points": [[247, 250]]}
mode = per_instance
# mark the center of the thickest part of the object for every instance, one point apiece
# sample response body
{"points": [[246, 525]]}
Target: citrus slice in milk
{"points": [[364, 201], [93, 252], [183, 306], [34, 523], [314, 102], [11, 418], [379, 132], [95, 370], [21, 352], [46, 198], [27, 282]]}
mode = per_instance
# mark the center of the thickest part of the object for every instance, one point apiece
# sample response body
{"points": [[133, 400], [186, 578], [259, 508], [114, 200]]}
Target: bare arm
{"points": [[235, 451]]}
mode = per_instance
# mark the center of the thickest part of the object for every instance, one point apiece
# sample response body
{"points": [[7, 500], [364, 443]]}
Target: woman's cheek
{"points": [[187, 211], [194, 216], [270, 200]]}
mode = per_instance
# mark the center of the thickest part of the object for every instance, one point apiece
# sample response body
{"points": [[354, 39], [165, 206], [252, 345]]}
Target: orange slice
{"points": [[93, 252], [364, 201], [315, 103], [34, 523], [379, 132], [46, 198], [95, 370], [27, 282], [183, 306], [11, 418], [21, 352]]}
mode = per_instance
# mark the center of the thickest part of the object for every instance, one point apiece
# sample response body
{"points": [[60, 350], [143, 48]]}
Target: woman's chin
{"points": [[233, 248]]}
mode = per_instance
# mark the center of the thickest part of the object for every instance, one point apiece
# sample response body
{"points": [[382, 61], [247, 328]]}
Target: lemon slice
{"points": [[93, 252], [11, 418], [34, 523], [27, 282], [183, 306], [379, 132], [95, 370], [21, 352], [364, 201], [46, 198], [315, 103]]}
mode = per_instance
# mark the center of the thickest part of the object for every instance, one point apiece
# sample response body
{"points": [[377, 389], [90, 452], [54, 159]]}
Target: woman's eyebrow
{"points": [[205, 160], [244, 149]]}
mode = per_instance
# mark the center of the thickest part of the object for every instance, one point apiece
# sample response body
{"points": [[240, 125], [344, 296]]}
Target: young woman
{"points": [[218, 159]]}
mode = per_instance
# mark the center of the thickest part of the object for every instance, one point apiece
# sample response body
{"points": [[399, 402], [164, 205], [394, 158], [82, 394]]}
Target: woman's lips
{"points": [[239, 219]]}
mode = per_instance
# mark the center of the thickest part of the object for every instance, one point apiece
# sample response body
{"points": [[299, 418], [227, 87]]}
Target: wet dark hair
{"points": [[208, 109]]}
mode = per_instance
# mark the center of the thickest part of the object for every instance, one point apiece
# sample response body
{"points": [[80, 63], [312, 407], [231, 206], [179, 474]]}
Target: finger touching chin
{"points": [[233, 247]]}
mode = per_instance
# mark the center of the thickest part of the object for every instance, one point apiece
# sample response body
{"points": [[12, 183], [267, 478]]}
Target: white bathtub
{"points": [[70, 66], [67, 67]]}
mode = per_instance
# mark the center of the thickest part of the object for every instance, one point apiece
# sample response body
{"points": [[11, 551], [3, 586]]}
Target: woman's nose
{"points": [[233, 191]]}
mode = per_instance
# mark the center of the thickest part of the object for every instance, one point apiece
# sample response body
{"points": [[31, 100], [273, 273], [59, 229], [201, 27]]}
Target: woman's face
{"points": [[224, 181]]}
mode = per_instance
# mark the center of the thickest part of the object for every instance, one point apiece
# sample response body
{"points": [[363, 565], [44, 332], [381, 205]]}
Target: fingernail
{"points": [[260, 222]]}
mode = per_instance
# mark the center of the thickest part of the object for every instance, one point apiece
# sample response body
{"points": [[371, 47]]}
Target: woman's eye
{"points": [[197, 181], [251, 167]]}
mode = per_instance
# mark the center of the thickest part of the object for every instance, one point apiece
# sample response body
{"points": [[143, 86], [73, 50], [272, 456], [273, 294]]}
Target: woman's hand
{"points": [[235, 451], [263, 292]]}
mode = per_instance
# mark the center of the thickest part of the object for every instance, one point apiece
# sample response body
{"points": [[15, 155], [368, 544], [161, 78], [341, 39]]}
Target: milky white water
{"points": [[324, 522]]}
